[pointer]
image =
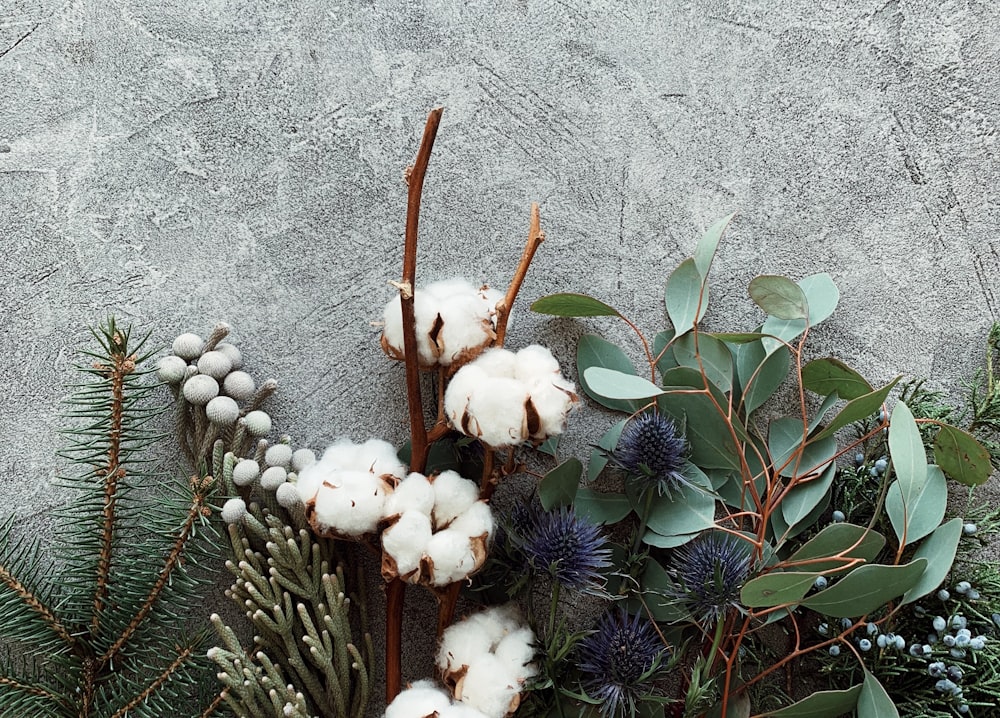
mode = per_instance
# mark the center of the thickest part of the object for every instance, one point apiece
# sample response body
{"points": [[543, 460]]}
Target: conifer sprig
{"points": [[102, 637]]}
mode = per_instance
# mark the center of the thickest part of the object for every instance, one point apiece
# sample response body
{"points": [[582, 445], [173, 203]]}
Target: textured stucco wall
{"points": [[180, 163]]}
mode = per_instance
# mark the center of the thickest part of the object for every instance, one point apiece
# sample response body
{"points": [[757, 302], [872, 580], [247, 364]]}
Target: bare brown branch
{"points": [[535, 237]]}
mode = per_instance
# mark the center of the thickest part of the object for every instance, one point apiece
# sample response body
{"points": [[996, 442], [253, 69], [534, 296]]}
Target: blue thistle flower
{"points": [[651, 451], [567, 547], [619, 661], [708, 573]]}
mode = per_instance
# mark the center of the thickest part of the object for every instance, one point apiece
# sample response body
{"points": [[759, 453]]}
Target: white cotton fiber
{"points": [[474, 521], [516, 650], [535, 362], [460, 710], [421, 699], [461, 644], [379, 457], [489, 687], [497, 363], [355, 506], [453, 495], [456, 397], [414, 493], [451, 554], [552, 405], [406, 540], [497, 408]]}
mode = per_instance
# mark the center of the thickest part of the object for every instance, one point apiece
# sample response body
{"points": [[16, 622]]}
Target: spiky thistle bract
{"points": [[619, 661], [105, 636], [708, 573], [652, 451]]}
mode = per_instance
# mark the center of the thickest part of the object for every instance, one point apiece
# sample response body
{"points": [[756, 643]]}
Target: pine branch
{"points": [[36, 605], [161, 679], [18, 696], [197, 510], [112, 472]]}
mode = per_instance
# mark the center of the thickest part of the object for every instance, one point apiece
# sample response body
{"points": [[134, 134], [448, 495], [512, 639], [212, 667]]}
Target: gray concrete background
{"points": [[181, 163]]}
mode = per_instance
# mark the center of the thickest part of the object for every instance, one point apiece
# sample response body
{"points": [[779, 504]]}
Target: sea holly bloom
{"points": [[652, 451], [708, 573], [619, 661], [558, 542]]}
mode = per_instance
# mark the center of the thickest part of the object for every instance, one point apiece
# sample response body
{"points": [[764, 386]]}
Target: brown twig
{"points": [[396, 589], [447, 600], [535, 237]]}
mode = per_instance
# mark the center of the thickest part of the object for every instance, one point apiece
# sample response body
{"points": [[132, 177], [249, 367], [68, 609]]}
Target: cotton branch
{"points": [[535, 237]]}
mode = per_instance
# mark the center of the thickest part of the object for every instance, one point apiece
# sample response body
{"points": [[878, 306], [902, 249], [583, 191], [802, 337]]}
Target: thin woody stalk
{"points": [[535, 237], [396, 590]]}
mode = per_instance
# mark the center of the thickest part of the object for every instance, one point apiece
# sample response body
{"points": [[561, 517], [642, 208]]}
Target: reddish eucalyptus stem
{"points": [[535, 237], [396, 590]]}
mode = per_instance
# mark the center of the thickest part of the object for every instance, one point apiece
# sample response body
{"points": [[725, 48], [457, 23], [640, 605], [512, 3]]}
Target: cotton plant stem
{"points": [[396, 589], [447, 600]]}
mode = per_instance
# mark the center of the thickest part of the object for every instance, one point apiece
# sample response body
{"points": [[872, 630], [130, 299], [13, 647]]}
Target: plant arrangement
{"points": [[758, 532]]}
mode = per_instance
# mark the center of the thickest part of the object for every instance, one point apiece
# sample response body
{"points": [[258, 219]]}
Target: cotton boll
{"points": [[462, 644], [498, 363], [453, 495], [302, 458], [420, 700], [498, 413], [552, 405], [489, 297], [278, 455], [460, 710], [245, 472], [444, 289], [535, 362], [341, 454], [379, 457], [406, 540], [234, 355], [239, 385], [516, 650], [272, 478], [355, 507], [464, 328], [200, 389], [451, 554], [474, 521], [456, 397], [426, 324], [171, 369], [414, 493], [489, 687]]}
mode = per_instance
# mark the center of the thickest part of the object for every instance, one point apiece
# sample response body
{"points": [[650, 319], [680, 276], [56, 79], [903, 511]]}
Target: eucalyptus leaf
{"points": [[737, 337], [777, 588], [842, 540], [651, 538], [857, 409], [779, 296], [909, 460], [799, 502], [664, 356], [760, 373], [592, 351], [822, 704], [686, 296], [824, 408], [961, 456], [915, 509], [600, 507], [704, 253], [939, 549], [656, 591], [708, 433], [822, 296], [598, 455], [827, 376], [702, 352], [688, 511], [613, 384], [573, 305], [559, 486], [873, 701], [789, 456], [866, 588], [550, 446]]}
